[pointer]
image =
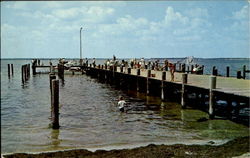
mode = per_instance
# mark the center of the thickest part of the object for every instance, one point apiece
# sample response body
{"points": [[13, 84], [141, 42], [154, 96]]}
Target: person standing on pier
{"points": [[172, 70], [93, 62], [121, 104]]}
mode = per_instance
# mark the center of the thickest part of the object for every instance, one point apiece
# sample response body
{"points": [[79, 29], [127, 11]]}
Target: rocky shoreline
{"points": [[233, 148]]}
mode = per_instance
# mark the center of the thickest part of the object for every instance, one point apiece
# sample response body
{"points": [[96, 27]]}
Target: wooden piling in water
{"points": [[228, 71], [12, 69], [61, 71], [55, 104], [183, 91], [22, 74], [9, 70], [51, 77], [25, 72], [26, 69], [211, 96]]}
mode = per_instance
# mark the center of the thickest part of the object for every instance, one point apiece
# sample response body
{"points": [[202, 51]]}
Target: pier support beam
{"points": [[211, 96], [148, 75], [183, 92], [163, 78], [138, 73]]}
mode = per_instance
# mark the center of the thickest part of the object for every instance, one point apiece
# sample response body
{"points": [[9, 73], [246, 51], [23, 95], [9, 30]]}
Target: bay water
{"points": [[89, 116]]}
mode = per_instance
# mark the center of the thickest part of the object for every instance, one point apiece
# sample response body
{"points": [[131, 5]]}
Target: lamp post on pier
{"points": [[81, 46]]}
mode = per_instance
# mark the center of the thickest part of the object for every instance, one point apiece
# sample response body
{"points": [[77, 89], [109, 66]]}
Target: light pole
{"points": [[81, 46]]}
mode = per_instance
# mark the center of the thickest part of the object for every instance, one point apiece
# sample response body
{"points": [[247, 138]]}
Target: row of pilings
{"points": [[210, 100]]}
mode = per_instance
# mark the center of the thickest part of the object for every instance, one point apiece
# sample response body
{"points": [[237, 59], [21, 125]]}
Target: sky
{"points": [[126, 29]]}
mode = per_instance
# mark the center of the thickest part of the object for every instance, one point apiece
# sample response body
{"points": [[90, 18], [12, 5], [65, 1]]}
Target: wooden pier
{"points": [[219, 96]]}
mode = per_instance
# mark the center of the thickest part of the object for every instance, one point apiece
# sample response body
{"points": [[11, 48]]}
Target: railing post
{"points": [[228, 70], [211, 96], [183, 91], [244, 72]]}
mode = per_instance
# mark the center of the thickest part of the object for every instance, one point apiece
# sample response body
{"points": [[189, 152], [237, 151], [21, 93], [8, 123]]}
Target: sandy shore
{"points": [[232, 148]]}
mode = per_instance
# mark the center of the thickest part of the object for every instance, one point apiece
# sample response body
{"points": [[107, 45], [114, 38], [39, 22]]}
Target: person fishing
{"points": [[121, 104]]}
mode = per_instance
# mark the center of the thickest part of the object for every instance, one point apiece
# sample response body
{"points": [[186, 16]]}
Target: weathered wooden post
{"points": [[211, 96], [29, 69], [228, 70], [9, 70], [26, 69], [148, 76], [55, 104], [214, 71], [51, 77], [183, 91], [22, 74], [25, 72], [138, 73], [239, 74], [244, 72], [61, 71], [163, 78], [34, 68], [12, 69]]}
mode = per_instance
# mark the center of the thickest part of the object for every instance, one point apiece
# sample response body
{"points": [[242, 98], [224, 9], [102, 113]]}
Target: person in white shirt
{"points": [[121, 104]]}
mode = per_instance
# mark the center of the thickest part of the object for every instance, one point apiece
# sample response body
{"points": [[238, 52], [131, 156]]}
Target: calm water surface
{"points": [[89, 117]]}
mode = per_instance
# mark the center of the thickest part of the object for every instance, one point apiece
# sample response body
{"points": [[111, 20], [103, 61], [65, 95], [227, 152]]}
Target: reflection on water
{"points": [[89, 117], [54, 138]]}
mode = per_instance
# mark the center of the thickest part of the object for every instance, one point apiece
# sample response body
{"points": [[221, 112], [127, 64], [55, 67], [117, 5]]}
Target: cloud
{"points": [[53, 4], [240, 24], [174, 17], [197, 13], [16, 5], [92, 14], [243, 14], [66, 13]]}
